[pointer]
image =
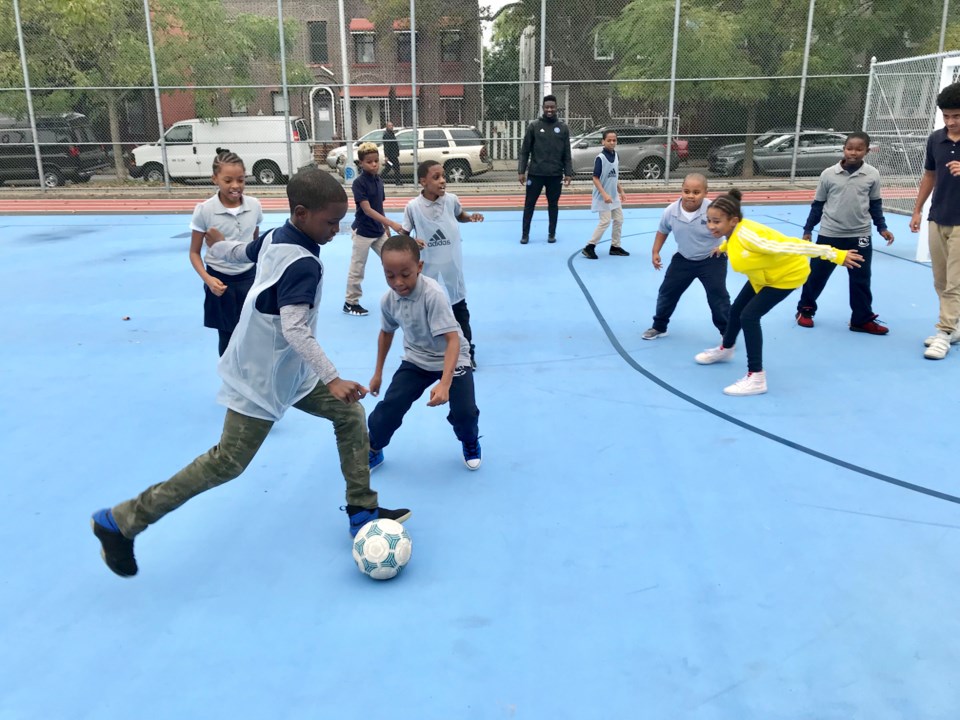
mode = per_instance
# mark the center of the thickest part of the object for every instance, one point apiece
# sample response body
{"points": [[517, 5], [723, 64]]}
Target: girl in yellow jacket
{"points": [[775, 266]]}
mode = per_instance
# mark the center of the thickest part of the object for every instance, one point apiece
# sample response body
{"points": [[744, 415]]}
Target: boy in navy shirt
{"points": [[370, 226], [941, 176], [273, 362]]}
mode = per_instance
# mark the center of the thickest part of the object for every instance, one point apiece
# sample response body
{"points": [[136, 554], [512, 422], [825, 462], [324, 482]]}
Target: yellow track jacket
{"points": [[770, 259]]}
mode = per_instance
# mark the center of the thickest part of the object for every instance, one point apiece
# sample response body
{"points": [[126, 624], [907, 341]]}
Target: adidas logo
{"points": [[437, 239]]}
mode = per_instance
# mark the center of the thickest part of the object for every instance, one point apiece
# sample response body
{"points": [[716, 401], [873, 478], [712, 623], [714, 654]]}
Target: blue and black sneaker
{"points": [[361, 516], [376, 459], [471, 454], [116, 550]]}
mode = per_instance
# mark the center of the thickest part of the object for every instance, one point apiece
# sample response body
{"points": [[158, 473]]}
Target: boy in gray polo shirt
{"points": [[435, 351], [847, 197]]}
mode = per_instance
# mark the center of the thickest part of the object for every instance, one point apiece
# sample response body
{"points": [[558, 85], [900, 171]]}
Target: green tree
{"points": [[103, 44], [502, 65]]}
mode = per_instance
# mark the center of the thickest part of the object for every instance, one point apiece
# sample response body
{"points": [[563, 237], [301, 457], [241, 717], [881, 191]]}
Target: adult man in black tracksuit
{"points": [[546, 147]]}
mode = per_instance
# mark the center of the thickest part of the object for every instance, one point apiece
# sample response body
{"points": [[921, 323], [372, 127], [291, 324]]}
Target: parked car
{"points": [[642, 150], [459, 148], [68, 150], [337, 157], [899, 154], [773, 153], [261, 142]]}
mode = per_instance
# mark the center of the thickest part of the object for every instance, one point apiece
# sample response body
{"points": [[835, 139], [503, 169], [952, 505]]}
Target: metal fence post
{"points": [[345, 74], [869, 98], [543, 54], [286, 91], [673, 87], [803, 90], [413, 85], [26, 87], [156, 94], [943, 25]]}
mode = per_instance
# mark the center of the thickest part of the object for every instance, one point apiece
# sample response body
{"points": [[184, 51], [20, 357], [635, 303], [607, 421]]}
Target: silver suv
{"points": [[459, 148], [642, 151]]}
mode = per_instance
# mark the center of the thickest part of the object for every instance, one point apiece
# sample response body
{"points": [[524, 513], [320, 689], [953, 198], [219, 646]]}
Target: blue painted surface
{"points": [[622, 552]]}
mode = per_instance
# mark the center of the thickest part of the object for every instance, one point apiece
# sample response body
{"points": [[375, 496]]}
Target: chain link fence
{"points": [[735, 88]]}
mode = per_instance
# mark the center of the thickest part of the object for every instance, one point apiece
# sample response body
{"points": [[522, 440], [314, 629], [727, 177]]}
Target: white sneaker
{"points": [[714, 355], [954, 338], [753, 383], [653, 334], [938, 348]]}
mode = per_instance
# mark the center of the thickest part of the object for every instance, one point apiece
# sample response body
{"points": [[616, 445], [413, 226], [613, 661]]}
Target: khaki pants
{"points": [[616, 214], [358, 263], [242, 437], [945, 260]]}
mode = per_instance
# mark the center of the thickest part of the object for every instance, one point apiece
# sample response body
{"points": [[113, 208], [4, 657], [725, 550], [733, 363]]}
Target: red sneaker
{"points": [[872, 327], [804, 320]]}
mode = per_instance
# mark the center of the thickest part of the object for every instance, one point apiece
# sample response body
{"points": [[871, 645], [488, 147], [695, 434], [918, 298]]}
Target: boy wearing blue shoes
{"points": [[273, 362], [435, 351]]}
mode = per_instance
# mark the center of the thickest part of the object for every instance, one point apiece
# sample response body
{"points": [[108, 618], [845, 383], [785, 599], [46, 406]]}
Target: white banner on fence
{"points": [[949, 74]]}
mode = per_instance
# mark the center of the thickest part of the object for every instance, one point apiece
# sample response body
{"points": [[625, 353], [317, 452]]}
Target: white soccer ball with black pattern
{"points": [[381, 549]]}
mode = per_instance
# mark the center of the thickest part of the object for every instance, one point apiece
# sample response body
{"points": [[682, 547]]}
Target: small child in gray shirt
{"points": [[435, 351]]}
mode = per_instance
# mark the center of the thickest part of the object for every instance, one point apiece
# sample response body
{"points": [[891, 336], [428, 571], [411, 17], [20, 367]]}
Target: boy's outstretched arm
{"points": [[384, 341], [440, 393], [297, 331], [466, 217], [382, 219], [217, 287]]}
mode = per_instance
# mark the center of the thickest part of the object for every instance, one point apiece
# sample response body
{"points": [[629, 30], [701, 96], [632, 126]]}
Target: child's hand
{"points": [[213, 236], [657, 263], [852, 260], [439, 395], [346, 391], [375, 382], [421, 244], [717, 252], [887, 235], [476, 217], [808, 236], [606, 198], [954, 167], [216, 286], [397, 228], [623, 198]]}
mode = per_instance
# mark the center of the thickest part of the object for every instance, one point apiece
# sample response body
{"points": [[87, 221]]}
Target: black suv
{"points": [[68, 150]]}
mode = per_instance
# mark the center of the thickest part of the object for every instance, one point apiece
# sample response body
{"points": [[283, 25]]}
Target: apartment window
{"points": [[452, 113], [238, 107], [403, 46], [451, 46], [602, 49], [278, 106], [317, 32], [363, 47]]}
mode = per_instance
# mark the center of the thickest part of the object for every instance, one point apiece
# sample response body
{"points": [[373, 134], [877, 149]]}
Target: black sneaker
{"points": [[354, 309], [619, 251], [361, 516], [116, 550], [589, 252], [524, 240], [551, 238]]}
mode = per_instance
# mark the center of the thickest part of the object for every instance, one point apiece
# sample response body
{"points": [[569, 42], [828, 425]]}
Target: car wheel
{"points": [[152, 172], [267, 173], [650, 168], [457, 171], [52, 177]]}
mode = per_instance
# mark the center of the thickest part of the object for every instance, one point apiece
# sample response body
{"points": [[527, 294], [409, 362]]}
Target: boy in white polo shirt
{"points": [[434, 351], [435, 215], [847, 197], [686, 218]]}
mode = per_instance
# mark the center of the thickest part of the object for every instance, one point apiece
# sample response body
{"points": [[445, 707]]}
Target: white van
{"points": [[260, 141]]}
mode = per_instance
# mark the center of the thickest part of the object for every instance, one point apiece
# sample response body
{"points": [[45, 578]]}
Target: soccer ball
{"points": [[381, 548]]}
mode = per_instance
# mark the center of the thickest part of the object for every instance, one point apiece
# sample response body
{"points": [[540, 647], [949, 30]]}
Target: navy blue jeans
{"points": [[861, 299], [712, 274], [408, 384], [745, 313]]}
